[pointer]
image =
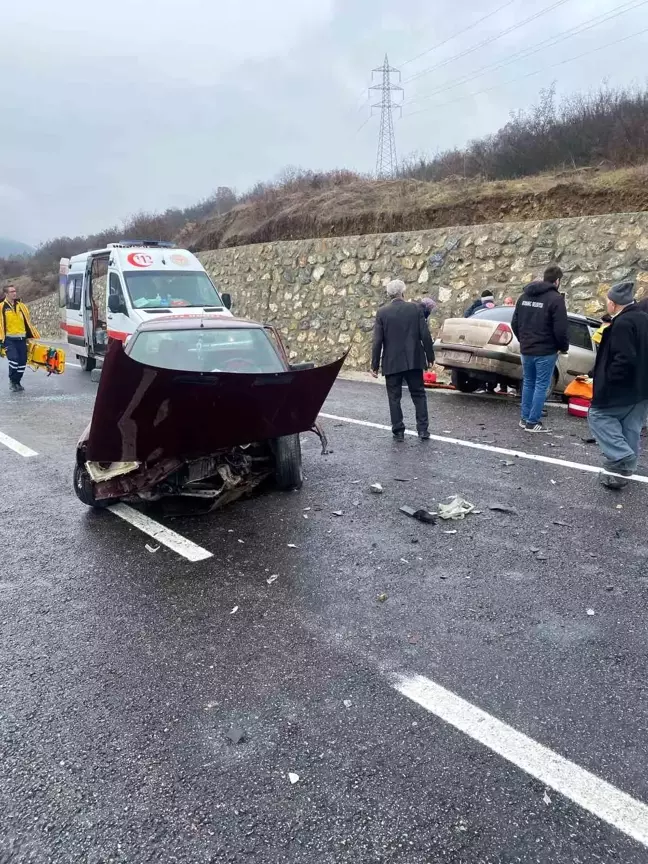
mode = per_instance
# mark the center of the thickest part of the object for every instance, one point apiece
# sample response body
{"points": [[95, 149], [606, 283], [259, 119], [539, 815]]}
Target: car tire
{"points": [[87, 364], [84, 489], [288, 462], [464, 383]]}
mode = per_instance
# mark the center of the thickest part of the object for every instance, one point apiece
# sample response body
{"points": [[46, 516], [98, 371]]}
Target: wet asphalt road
{"points": [[123, 670]]}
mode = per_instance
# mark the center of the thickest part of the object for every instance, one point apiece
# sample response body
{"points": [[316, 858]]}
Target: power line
{"points": [[487, 41], [529, 74], [386, 159], [460, 32], [541, 46]]}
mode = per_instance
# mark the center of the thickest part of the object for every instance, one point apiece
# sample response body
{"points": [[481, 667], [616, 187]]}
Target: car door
{"points": [[580, 360]]}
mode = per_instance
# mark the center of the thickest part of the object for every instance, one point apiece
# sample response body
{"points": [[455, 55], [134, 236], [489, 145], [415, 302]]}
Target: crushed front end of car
{"points": [[208, 436]]}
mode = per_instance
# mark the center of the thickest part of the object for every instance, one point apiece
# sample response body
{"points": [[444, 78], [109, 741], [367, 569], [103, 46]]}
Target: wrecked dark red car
{"points": [[201, 407]]}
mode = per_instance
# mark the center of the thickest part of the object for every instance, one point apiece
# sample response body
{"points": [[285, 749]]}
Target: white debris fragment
{"points": [[546, 798], [456, 509], [347, 703], [234, 610], [272, 579], [306, 509], [376, 488], [150, 548], [591, 612], [451, 532], [294, 778], [242, 542], [292, 546], [338, 513]]}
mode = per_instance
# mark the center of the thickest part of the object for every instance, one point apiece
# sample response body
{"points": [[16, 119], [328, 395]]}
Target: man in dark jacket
{"points": [[620, 403], [486, 301], [541, 327], [402, 339]]}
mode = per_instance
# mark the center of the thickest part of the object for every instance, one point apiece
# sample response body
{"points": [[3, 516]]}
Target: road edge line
{"points": [[474, 445]]}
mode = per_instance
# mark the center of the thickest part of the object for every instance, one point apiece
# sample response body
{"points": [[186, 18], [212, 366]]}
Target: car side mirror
{"points": [[300, 367], [227, 300], [116, 304]]}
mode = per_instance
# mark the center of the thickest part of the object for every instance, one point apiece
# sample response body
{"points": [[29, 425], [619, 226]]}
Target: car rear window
{"points": [[497, 313], [207, 350]]}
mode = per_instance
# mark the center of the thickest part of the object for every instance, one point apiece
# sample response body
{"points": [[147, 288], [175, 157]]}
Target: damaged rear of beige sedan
{"points": [[198, 407]]}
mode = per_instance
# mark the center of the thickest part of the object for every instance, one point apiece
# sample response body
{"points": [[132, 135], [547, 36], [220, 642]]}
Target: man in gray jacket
{"points": [[402, 340]]}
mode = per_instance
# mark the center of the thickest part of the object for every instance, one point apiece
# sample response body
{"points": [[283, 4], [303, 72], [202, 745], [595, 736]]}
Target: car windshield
{"points": [[207, 350], [497, 313], [157, 289]]}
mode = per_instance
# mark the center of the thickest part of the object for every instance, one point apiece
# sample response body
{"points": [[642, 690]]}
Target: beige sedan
{"points": [[483, 351]]}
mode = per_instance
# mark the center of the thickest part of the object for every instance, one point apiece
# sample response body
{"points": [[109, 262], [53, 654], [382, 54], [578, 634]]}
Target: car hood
{"points": [[144, 414]]}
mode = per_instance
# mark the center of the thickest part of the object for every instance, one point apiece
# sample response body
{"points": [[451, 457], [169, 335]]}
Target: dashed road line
{"points": [[16, 446], [175, 542], [474, 445], [618, 809]]}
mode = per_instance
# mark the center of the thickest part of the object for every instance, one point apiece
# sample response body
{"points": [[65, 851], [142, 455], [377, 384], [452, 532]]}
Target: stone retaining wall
{"points": [[323, 294]]}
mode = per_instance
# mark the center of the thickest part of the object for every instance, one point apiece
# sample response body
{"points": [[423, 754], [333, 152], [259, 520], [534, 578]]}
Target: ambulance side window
{"points": [[73, 298], [116, 299]]}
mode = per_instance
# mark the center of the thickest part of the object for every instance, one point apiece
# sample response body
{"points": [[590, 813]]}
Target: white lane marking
{"points": [[163, 535], [587, 790], [474, 445], [16, 446]]}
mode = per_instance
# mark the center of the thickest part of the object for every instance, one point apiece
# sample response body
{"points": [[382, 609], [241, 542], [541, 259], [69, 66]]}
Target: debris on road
{"points": [[292, 546], [502, 508], [272, 579], [420, 515], [150, 548], [458, 508], [561, 523], [507, 462], [534, 549], [405, 479], [382, 597], [236, 735], [294, 778], [546, 798], [337, 513], [234, 610], [347, 703], [376, 488], [609, 587], [591, 612]]}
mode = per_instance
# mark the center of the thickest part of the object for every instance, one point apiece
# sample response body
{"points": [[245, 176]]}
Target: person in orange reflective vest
{"points": [[15, 329]]}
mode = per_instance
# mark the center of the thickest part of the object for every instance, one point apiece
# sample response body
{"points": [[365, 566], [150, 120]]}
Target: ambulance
{"points": [[107, 293]]}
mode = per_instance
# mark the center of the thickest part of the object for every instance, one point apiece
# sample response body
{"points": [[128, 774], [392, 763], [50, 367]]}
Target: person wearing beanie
{"points": [[403, 345], [541, 327], [620, 401], [429, 306], [486, 301]]}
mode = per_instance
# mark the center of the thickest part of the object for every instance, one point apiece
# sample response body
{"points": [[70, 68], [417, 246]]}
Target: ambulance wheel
{"points": [[288, 463], [84, 488], [87, 363]]}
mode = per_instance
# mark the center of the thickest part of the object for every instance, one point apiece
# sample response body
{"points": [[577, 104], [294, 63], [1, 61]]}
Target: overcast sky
{"points": [[144, 104]]}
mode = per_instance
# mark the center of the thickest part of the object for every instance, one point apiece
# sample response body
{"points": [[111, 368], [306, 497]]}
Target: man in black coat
{"points": [[541, 326], [620, 402], [402, 339]]}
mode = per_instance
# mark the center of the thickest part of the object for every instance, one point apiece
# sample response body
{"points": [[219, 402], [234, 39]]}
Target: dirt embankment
{"points": [[375, 207]]}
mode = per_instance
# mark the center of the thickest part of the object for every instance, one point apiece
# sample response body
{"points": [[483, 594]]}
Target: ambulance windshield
{"points": [[159, 289]]}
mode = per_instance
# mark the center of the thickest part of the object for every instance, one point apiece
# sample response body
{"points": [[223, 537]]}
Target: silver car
{"points": [[482, 350]]}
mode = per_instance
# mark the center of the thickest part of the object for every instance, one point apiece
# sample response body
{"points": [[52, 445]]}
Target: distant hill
{"points": [[10, 247]]}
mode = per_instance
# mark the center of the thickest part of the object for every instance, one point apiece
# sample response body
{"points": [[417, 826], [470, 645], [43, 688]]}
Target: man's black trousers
{"points": [[414, 380]]}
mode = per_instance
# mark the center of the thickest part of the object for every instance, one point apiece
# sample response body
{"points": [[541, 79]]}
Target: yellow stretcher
{"points": [[52, 360]]}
